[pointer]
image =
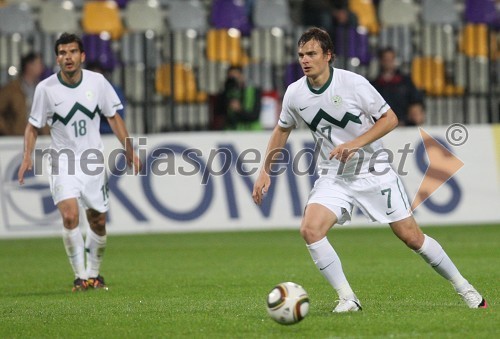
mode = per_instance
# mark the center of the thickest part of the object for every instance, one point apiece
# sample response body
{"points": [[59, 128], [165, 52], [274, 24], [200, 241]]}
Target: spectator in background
{"points": [[16, 97], [96, 66], [399, 91], [241, 102]]}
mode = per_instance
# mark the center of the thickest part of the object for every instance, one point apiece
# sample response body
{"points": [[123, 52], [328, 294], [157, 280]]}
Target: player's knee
{"points": [[98, 224], [70, 219], [413, 240], [310, 233]]}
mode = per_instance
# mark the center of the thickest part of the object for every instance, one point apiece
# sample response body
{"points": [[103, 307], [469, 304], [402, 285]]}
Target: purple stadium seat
{"points": [[350, 43], [122, 3], [231, 14], [481, 11], [293, 72], [97, 49]]}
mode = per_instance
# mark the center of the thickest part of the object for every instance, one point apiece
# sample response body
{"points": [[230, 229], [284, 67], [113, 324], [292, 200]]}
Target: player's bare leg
{"points": [[316, 223], [73, 241], [95, 244], [431, 251]]}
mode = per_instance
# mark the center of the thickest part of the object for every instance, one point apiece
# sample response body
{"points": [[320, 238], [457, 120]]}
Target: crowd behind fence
{"points": [[170, 57]]}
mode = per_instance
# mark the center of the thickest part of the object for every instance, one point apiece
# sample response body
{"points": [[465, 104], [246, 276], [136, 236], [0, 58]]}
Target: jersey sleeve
{"points": [[287, 117], [110, 102], [372, 102], [39, 108]]}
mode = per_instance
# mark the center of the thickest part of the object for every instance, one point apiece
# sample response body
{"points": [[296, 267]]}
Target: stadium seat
{"points": [[138, 44], [400, 38], [99, 50], [481, 11], [187, 14], [439, 40], [186, 47], [58, 17], [102, 16], [231, 14], [141, 16], [353, 42], [122, 3], [397, 12], [398, 19], [440, 23], [474, 40], [269, 14], [440, 12], [224, 45], [269, 46], [366, 13], [293, 72], [16, 19], [186, 87], [428, 74]]}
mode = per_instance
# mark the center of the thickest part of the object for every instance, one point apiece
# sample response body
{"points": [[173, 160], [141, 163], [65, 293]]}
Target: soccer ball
{"points": [[287, 303]]}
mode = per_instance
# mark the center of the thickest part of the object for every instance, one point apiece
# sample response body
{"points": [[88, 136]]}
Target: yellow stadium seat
{"points": [[482, 40], [474, 41], [224, 45], [102, 16], [467, 45], [428, 74], [186, 90], [366, 13], [212, 42]]}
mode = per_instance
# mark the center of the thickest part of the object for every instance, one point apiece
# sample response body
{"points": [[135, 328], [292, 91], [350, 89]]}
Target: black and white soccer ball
{"points": [[287, 303]]}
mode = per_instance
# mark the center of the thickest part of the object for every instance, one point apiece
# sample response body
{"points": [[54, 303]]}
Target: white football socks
{"points": [[328, 263], [94, 246], [73, 243], [435, 256]]}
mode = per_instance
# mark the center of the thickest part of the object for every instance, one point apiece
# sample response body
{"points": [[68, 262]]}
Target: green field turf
{"points": [[214, 285]]}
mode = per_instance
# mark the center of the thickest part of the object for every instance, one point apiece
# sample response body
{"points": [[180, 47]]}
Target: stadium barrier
{"points": [[203, 182]]}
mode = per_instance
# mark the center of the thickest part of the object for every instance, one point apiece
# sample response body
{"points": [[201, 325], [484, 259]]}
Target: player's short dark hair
{"points": [[321, 36], [28, 59], [67, 38]]}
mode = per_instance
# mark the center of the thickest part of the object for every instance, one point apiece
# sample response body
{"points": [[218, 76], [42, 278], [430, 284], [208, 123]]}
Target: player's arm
{"points": [[120, 130], [30, 136], [276, 143], [386, 123]]}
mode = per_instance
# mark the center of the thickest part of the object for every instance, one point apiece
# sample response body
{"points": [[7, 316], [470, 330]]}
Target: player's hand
{"points": [[134, 162], [26, 165], [260, 187], [344, 152]]}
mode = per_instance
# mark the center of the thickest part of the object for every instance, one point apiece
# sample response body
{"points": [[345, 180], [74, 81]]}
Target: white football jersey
{"points": [[343, 109], [72, 111]]}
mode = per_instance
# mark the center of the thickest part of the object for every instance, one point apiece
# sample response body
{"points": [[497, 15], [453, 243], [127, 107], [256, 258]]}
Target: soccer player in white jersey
{"points": [[349, 116], [70, 103]]}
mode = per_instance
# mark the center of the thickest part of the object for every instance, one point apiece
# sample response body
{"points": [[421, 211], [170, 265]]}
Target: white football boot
{"points": [[348, 305], [473, 299]]}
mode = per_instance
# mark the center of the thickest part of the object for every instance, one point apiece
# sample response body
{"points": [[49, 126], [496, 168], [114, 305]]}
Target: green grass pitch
{"points": [[214, 285]]}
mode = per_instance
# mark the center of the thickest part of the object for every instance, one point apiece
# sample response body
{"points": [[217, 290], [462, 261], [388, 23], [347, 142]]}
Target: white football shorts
{"points": [[381, 198], [92, 190]]}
